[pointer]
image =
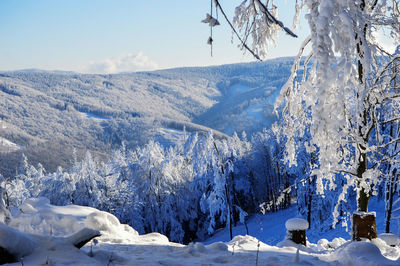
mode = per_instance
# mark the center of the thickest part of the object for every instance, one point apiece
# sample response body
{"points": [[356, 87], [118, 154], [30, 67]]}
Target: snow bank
{"points": [[390, 239], [296, 224], [111, 229], [15, 242], [37, 215], [361, 254], [121, 245], [324, 244]]}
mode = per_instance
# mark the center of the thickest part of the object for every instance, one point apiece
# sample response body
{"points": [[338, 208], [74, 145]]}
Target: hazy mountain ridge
{"points": [[47, 114]]}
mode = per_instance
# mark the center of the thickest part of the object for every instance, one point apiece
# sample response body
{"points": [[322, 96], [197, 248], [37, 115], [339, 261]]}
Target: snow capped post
{"points": [[296, 230]]}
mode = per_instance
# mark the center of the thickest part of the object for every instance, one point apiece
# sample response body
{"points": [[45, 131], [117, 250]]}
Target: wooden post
{"points": [[364, 226], [298, 236], [296, 230]]}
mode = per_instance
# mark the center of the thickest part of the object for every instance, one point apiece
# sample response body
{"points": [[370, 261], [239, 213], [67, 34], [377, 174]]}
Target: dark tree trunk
{"points": [[363, 197], [309, 209], [392, 188]]}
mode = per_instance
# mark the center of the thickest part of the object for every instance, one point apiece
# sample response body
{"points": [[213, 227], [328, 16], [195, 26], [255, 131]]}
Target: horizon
{"points": [[39, 70]]}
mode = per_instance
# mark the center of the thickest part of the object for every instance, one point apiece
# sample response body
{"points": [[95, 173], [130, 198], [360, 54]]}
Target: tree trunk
{"points": [[391, 185], [364, 223], [309, 209], [363, 197], [363, 200], [392, 188]]}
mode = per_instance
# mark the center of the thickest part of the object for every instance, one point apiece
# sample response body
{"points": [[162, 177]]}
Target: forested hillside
{"points": [[46, 115]]}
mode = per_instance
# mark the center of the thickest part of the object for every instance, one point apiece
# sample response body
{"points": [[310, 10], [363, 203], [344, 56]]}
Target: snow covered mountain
{"points": [[47, 115]]}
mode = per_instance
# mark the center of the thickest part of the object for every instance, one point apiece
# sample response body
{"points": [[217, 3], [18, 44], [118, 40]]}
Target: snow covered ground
{"points": [[48, 228], [270, 228]]}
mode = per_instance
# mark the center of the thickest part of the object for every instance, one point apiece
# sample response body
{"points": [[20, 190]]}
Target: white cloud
{"points": [[126, 63]]}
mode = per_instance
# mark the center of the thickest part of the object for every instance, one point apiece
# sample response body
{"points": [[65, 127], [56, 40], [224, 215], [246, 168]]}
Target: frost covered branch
{"points": [[236, 33]]}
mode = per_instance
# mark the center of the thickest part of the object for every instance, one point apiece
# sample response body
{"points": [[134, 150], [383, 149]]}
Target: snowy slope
{"points": [[121, 245], [270, 228], [57, 111]]}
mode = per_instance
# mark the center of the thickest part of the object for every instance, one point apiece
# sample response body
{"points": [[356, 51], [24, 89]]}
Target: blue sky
{"points": [[120, 35]]}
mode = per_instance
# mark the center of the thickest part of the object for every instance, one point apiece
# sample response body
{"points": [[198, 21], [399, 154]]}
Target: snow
{"points": [[79, 238], [121, 245], [244, 107], [15, 242], [363, 214], [296, 224], [37, 215], [360, 253], [390, 239], [167, 137], [8, 145]]}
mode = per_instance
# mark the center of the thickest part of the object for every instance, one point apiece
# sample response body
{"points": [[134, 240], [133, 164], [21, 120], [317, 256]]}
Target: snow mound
{"points": [[296, 224], [390, 239], [15, 242], [38, 216], [361, 254], [153, 239], [111, 229], [218, 246], [324, 244]]}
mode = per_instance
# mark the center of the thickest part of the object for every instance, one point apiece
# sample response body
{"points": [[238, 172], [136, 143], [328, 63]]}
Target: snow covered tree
{"points": [[390, 168], [5, 215], [345, 90]]}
